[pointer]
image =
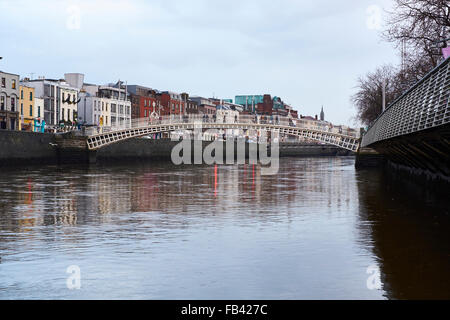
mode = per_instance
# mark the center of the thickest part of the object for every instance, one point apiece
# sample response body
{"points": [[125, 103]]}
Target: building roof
{"points": [[13, 74]]}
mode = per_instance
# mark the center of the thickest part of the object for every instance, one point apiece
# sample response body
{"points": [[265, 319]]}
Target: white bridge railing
{"points": [[424, 106], [210, 119], [308, 129]]}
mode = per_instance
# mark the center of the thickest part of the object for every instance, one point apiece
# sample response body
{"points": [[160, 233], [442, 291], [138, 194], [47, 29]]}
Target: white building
{"points": [[225, 114], [39, 107], [60, 99], [105, 106]]}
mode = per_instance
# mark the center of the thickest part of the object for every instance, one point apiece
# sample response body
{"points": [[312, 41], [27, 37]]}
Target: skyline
{"points": [[207, 49]]}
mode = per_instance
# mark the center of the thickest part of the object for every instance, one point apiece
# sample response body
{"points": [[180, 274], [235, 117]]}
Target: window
{"points": [[2, 103], [13, 104], [31, 110], [13, 84], [21, 108], [39, 112], [21, 94], [31, 95], [3, 82], [63, 97]]}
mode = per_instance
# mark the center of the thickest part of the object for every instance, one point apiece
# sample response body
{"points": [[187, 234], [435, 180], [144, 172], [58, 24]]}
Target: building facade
{"points": [[171, 103], [9, 101], [144, 101], [191, 105], [60, 100], [249, 102], [226, 114], [104, 106], [265, 105], [69, 103], [205, 105], [27, 108], [38, 108]]}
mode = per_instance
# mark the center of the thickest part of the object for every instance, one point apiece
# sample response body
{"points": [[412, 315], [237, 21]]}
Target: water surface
{"points": [[159, 231]]}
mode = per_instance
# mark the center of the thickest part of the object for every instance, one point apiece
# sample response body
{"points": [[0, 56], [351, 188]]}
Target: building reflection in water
{"points": [[403, 227], [408, 222], [84, 195]]}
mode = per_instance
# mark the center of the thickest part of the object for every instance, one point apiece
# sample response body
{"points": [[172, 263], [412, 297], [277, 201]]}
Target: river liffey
{"points": [[317, 230]]}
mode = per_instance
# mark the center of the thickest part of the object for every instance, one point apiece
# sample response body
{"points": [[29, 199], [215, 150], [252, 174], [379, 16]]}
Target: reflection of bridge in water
{"points": [[408, 226], [277, 125]]}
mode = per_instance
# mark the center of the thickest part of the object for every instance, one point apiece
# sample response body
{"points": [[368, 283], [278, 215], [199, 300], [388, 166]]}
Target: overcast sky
{"points": [[309, 53]]}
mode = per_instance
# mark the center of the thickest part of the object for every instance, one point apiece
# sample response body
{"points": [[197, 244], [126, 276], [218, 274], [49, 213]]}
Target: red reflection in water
{"points": [[215, 180], [253, 177], [245, 175], [30, 189]]}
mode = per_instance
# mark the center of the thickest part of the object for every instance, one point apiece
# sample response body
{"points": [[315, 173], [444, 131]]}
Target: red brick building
{"points": [[266, 106], [171, 103], [147, 105], [144, 101]]}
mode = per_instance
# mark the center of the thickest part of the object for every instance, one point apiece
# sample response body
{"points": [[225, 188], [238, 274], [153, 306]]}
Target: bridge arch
{"points": [[144, 127]]}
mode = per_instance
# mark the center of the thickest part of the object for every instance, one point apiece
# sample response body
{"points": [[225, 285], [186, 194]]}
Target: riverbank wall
{"points": [[22, 148]]}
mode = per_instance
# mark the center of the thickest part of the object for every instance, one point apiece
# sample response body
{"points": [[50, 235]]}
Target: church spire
{"points": [[322, 115]]}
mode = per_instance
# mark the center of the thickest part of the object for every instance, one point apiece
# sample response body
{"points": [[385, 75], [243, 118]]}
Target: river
{"points": [[318, 229]]}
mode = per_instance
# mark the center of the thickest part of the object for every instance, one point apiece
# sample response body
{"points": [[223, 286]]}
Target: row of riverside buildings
{"points": [[26, 104]]}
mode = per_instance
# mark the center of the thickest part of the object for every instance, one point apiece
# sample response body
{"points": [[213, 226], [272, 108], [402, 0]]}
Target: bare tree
{"points": [[419, 25], [369, 96], [420, 28]]}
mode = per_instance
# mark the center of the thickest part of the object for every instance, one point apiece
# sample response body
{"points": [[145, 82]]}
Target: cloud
{"points": [[308, 52]]}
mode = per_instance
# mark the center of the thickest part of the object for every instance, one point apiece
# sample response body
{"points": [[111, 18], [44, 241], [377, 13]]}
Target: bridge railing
{"points": [[423, 106], [227, 119]]}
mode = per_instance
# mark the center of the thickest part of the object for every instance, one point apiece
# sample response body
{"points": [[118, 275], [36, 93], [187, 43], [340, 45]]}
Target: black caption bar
{"points": [[220, 309]]}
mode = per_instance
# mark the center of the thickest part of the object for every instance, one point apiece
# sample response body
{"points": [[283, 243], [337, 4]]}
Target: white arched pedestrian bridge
{"points": [[247, 123]]}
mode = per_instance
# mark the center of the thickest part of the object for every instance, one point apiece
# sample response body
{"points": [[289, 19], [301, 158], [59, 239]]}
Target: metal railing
{"points": [[211, 119], [423, 106], [283, 125]]}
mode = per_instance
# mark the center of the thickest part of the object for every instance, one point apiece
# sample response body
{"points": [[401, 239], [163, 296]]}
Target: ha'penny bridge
{"points": [[244, 124], [413, 132], [258, 129]]}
